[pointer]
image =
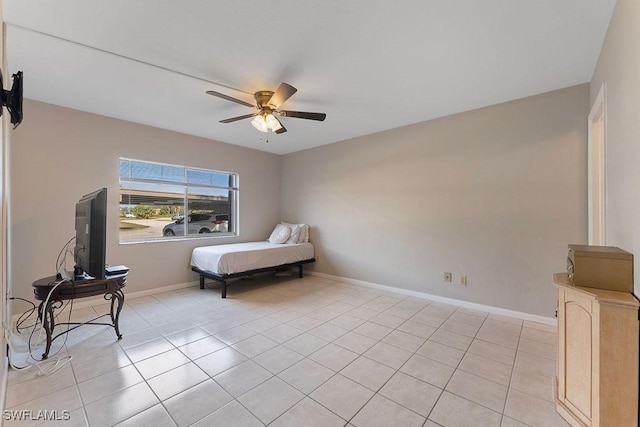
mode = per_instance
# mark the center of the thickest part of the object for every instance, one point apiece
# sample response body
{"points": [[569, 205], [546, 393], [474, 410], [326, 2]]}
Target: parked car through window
{"points": [[198, 224]]}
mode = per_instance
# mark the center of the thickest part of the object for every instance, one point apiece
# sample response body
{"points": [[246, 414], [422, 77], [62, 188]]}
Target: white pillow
{"points": [[304, 234], [303, 237], [280, 234], [295, 233]]}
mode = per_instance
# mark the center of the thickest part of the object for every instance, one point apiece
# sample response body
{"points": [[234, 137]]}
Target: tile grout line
{"points": [[504, 407], [457, 366]]}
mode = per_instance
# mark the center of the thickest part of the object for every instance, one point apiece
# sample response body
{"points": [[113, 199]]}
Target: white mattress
{"points": [[239, 257]]}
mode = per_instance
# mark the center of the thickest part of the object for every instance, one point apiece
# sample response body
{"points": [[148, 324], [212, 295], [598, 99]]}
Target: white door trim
{"points": [[596, 152]]}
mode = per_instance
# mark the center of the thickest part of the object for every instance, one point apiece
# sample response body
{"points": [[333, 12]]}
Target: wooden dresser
{"points": [[597, 382]]}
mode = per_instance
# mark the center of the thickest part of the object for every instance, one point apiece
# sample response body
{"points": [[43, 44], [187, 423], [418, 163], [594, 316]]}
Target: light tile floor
{"points": [[293, 352]]}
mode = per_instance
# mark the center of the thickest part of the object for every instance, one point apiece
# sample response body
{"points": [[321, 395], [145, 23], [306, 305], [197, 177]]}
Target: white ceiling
{"points": [[371, 65]]}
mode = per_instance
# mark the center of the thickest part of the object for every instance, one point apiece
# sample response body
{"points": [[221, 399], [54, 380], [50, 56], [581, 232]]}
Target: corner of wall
{"points": [[4, 208]]}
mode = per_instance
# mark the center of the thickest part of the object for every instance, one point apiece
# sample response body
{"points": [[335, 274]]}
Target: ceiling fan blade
{"points": [[235, 119], [304, 115], [281, 94], [282, 128], [230, 98]]}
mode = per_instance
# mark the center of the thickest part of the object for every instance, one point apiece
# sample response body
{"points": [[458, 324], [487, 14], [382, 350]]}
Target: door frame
{"points": [[596, 169]]}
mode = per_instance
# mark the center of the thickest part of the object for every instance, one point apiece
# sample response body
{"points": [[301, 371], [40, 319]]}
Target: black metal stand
{"points": [[52, 293]]}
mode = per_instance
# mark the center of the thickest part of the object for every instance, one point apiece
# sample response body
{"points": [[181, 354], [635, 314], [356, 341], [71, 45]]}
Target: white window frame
{"points": [[232, 188]]}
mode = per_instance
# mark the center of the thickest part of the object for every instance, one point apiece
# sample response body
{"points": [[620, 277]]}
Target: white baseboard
{"points": [[89, 302], [460, 303], [146, 293]]}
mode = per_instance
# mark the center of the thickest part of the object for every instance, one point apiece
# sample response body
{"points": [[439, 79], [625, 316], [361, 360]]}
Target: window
{"points": [[160, 202]]}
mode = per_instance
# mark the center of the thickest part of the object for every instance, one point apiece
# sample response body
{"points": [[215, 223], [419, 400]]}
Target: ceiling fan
{"points": [[267, 104]]}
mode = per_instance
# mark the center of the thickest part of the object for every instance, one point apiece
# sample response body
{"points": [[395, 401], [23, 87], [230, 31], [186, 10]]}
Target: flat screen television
{"points": [[91, 236]]}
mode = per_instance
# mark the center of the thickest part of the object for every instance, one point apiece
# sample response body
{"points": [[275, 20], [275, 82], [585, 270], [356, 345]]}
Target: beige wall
{"points": [[619, 67], [58, 155], [495, 194]]}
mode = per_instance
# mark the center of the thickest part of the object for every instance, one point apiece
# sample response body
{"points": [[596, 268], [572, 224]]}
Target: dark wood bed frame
{"points": [[222, 278]]}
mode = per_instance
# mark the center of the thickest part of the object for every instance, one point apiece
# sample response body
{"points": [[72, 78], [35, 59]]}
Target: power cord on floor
{"points": [[17, 342], [53, 363], [45, 367]]}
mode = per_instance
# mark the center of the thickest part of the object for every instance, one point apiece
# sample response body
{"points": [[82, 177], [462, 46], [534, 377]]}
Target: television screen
{"points": [[91, 236]]}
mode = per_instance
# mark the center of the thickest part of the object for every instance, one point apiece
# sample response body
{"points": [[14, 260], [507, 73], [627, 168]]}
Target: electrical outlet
{"points": [[463, 280], [447, 277]]}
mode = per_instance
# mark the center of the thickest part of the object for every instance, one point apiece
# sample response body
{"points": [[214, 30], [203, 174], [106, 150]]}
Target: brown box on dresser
{"points": [[602, 267]]}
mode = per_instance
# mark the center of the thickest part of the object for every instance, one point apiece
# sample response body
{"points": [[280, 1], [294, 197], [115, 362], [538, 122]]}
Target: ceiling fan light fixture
{"points": [[272, 123], [260, 123], [266, 122]]}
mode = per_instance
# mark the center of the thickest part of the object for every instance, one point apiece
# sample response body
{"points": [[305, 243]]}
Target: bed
{"points": [[224, 262]]}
